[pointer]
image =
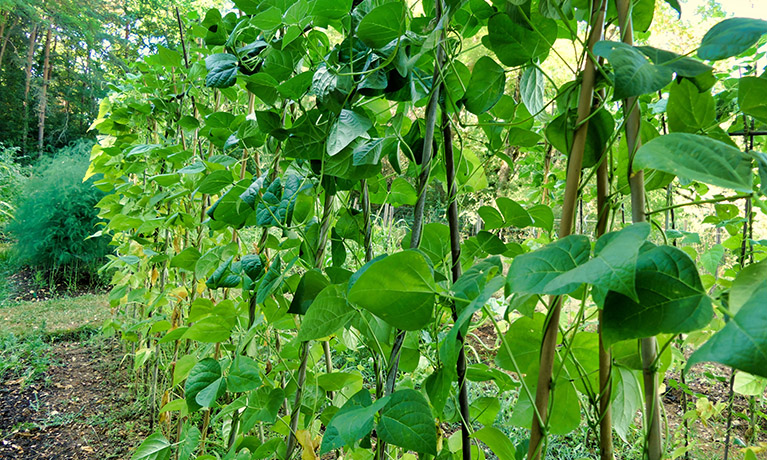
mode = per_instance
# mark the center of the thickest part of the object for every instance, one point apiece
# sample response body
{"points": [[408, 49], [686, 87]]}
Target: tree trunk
{"points": [[44, 92], [5, 37], [28, 71]]}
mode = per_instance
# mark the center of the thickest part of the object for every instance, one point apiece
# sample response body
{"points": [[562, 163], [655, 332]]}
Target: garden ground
{"points": [[64, 391]]}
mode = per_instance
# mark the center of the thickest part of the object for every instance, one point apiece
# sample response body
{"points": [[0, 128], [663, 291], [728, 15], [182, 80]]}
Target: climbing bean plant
{"points": [[269, 303]]}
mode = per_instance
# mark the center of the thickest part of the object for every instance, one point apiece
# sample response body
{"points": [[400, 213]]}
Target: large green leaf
{"points": [[497, 441], [382, 25], [697, 158], [524, 340], [531, 273], [746, 283], [688, 110], [353, 421], [399, 289], [626, 399], [244, 375], [212, 329], [731, 37], [752, 97], [671, 299], [614, 264], [406, 421], [486, 86], [349, 126], [222, 70], [742, 343], [204, 384], [155, 447], [515, 44], [634, 74], [682, 65], [565, 415], [328, 313], [435, 242], [511, 214]]}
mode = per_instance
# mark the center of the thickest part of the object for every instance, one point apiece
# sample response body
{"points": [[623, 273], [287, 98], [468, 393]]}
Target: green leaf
{"points": [[406, 421], [682, 65], [497, 441], [435, 242], [697, 158], [332, 9], [634, 74], [205, 378], [731, 37], [614, 264], [531, 88], [543, 217], [186, 259], [484, 410], [212, 329], [312, 282], [402, 193], [253, 266], [511, 214], [215, 181], [486, 86], [269, 19], [751, 97], [561, 133], [712, 258], [671, 299], [689, 111], [223, 276], [515, 44], [337, 381], [155, 447], [222, 70], [327, 314], [353, 421], [349, 126], [399, 289], [244, 375], [742, 343], [749, 385], [524, 340], [530, 273], [565, 415], [382, 25], [626, 399], [746, 283]]}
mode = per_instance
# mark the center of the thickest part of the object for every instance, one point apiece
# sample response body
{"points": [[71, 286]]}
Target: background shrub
{"points": [[55, 214], [12, 176]]}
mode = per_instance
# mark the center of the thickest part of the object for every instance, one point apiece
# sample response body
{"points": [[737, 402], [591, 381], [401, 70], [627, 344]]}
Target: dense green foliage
{"points": [[55, 216], [272, 302]]}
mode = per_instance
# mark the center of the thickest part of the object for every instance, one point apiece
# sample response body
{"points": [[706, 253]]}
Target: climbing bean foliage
{"points": [[248, 171]]}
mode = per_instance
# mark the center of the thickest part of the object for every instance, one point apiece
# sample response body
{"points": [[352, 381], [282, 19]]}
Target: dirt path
{"points": [[81, 409]]}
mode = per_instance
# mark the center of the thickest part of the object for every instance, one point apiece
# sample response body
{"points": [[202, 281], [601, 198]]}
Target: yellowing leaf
{"points": [[304, 437]]}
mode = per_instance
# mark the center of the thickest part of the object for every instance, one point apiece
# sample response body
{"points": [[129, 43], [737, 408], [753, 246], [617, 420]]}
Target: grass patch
{"points": [[54, 316]]}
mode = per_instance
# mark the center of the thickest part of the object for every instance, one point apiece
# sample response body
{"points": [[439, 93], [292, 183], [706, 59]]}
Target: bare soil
{"points": [[81, 409]]}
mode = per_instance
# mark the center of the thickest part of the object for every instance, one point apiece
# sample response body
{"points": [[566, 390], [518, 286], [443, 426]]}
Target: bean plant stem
{"points": [[304, 354], [649, 345], [549, 344], [455, 252]]}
